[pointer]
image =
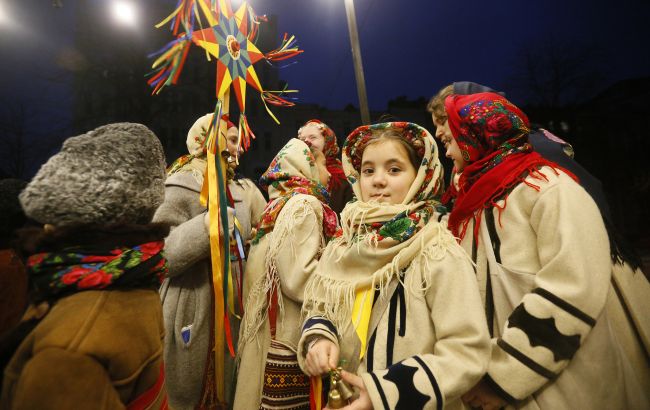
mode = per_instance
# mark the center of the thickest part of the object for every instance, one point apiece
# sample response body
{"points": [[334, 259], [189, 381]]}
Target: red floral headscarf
{"points": [[492, 134], [331, 152]]}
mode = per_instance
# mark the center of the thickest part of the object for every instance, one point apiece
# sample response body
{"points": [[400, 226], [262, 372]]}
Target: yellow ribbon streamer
{"points": [[211, 197], [361, 315], [171, 16]]}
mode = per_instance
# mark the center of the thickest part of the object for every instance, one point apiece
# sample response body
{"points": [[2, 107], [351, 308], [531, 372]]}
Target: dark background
{"points": [[578, 68]]}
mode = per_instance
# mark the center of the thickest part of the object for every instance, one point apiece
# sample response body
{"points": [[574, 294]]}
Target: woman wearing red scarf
{"points": [[321, 137], [543, 266]]}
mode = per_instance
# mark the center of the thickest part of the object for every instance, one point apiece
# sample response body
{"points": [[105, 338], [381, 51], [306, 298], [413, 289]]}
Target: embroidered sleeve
{"points": [[550, 324], [316, 327]]}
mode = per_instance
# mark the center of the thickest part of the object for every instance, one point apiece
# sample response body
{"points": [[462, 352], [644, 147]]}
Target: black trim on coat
{"points": [[563, 304], [492, 230], [382, 395], [498, 389], [544, 332], [370, 351], [525, 360], [432, 379], [319, 320]]}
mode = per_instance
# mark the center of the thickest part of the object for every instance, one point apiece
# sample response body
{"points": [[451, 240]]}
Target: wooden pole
{"points": [[358, 64]]}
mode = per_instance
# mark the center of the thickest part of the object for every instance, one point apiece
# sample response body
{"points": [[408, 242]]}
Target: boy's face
{"points": [[442, 127], [232, 135]]}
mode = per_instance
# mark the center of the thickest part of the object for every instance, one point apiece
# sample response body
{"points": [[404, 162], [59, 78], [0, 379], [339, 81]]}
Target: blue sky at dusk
{"points": [[409, 48]]}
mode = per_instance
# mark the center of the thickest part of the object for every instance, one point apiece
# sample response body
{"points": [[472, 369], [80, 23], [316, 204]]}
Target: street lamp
{"points": [[124, 12], [358, 64], [4, 15]]}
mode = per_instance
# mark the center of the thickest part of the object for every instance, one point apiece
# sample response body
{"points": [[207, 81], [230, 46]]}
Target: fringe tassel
{"points": [[333, 298], [287, 49], [245, 133], [168, 66], [257, 306]]}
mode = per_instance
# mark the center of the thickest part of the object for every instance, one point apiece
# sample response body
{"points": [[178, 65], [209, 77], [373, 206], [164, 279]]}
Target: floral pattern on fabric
{"points": [[293, 171], [492, 134], [77, 269], [402, 226], [485, 125], [489, 129]]}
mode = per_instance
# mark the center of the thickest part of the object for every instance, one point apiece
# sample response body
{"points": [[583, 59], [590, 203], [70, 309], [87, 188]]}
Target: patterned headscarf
{"points": [[428, 183], [487, 127], [293, 171], [331, 152], [57, 274], [492, 134], [195, 141]]}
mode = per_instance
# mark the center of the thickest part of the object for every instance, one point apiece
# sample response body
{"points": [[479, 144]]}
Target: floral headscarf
{"points": [[492, 134], [428, 183], [293, 171], [331, 152]]}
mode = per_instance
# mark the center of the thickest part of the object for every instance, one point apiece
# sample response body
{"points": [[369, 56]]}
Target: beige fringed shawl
{"points": [[295, 220], [381, 241]]}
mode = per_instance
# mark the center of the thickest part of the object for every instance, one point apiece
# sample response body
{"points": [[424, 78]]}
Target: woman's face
{"points": [[452, 150], [386, 172], [312, 134]]}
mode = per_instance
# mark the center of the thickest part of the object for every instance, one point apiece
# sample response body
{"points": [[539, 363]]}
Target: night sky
{"points": [[415, 47], [409, 48]]}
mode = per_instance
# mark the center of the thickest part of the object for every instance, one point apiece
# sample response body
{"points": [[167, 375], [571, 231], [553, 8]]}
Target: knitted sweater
{"points": [[553, 309], [186, 294], [425, 349]]}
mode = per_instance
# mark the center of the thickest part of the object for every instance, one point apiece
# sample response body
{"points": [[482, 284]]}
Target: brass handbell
{"points": [[334, 400], [340, 391], [345, 390]]}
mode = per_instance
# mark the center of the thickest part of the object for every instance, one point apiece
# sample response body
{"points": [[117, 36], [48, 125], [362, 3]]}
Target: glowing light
{"points": [[124, 12], [4, 15]]}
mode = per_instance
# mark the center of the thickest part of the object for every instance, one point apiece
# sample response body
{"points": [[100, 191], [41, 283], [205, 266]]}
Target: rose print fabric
{"points": [[57, 274]]}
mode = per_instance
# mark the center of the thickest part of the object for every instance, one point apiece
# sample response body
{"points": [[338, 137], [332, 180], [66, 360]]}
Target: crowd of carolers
{"points": [[506, 286]]}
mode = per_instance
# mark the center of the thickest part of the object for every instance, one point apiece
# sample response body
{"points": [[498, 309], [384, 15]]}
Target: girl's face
{"points": [[323, 174], [311, 133], [386, 172], [453, 152]]}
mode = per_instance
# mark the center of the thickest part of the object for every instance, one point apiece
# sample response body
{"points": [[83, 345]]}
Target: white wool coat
{"points": [[560, 337], [425, 348]]}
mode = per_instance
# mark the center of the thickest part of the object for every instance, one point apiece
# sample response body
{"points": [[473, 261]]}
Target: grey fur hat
{"points": [[113, 174]]}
